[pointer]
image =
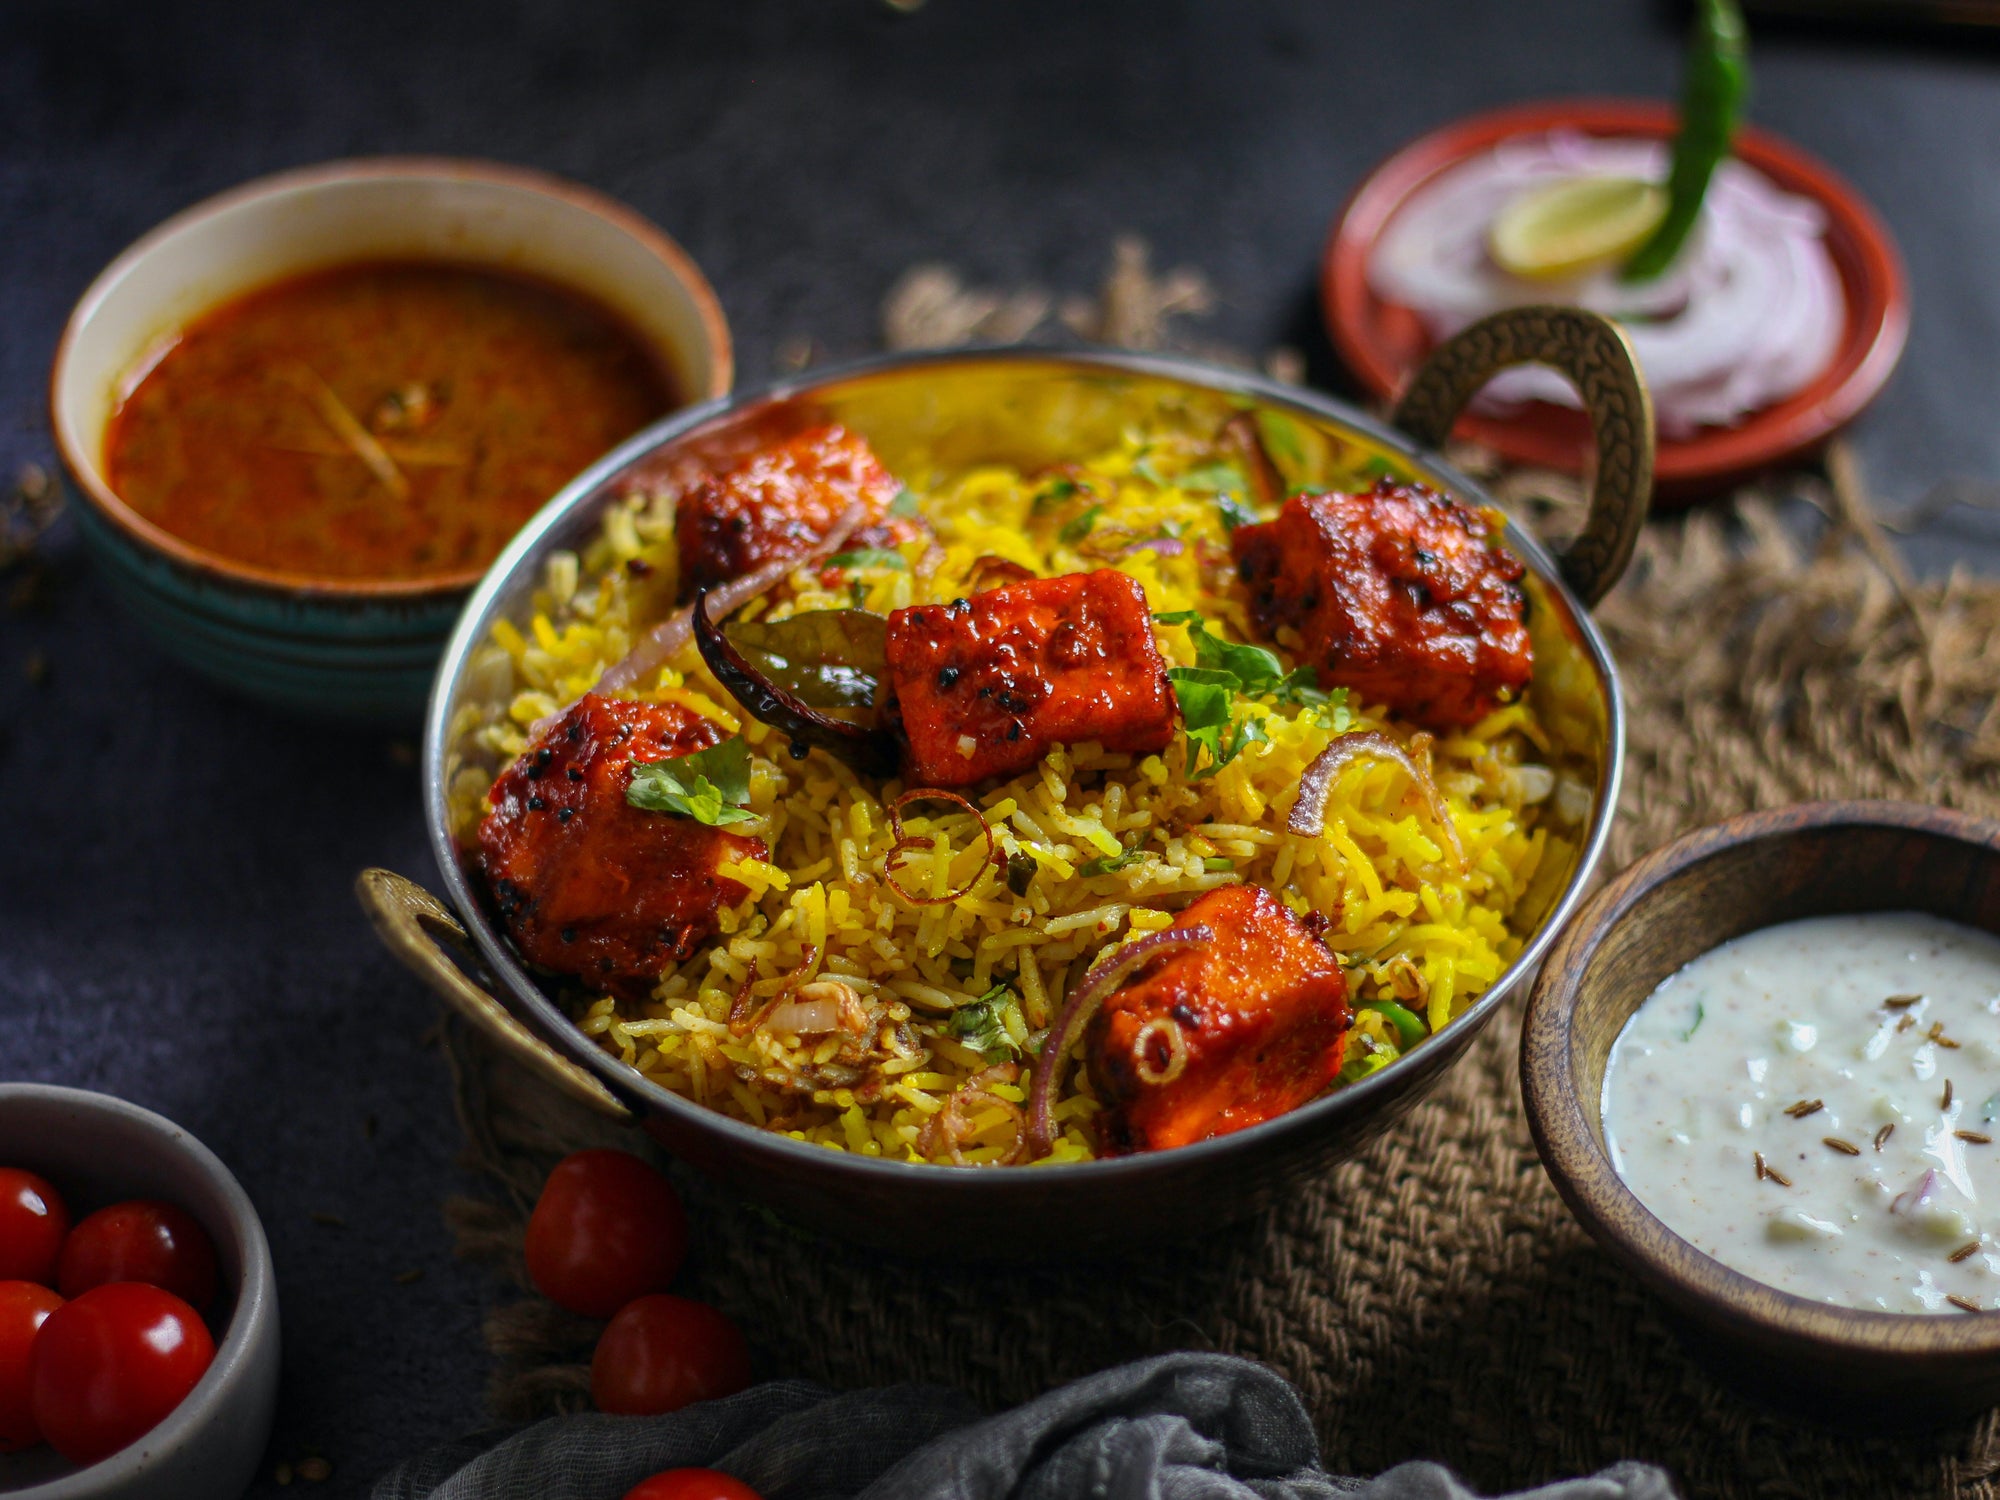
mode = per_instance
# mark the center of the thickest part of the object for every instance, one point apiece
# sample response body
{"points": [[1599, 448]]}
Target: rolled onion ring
{"points": [[951, 1126], [1177, 1053], [1308, 816], [892, 863], [1098, 982], [659, 645]]}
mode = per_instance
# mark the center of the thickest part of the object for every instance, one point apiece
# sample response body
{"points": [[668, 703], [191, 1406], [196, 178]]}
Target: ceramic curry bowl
{"points": [[360, 650], [947, 412]]}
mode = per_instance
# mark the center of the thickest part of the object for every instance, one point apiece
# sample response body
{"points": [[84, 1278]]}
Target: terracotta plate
{"points": [[1382, 342]]}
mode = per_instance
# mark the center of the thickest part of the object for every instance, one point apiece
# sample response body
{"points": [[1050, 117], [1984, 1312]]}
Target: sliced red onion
{"points": [[804, 1018], [1749, 313], [659, 645], [1099, 981], [1912, 1199], [1166, 546], [1308, 817]]}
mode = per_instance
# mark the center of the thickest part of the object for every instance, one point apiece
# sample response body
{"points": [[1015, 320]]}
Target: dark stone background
{"points": [[175, 917]]}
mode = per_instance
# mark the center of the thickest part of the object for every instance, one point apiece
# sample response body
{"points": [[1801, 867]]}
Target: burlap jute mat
{"points": [[1432, 1298]]}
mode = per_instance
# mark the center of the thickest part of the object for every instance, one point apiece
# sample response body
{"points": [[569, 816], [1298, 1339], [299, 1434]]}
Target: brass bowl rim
{"points": [[1582, 1170], [647, 1097]]}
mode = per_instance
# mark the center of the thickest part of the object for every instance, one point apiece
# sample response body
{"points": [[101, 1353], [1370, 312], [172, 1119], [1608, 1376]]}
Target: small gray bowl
{"points": [[98, 1150]]}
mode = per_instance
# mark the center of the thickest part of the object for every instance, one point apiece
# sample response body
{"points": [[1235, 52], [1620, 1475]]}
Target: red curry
{"points": [[382, 420]]}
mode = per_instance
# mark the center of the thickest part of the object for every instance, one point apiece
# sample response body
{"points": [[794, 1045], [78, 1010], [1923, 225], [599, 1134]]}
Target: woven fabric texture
{"points": [[1431, 1298]]}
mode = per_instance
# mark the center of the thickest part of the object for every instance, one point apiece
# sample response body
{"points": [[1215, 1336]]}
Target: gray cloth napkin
{"points": [[1177, 1427]]}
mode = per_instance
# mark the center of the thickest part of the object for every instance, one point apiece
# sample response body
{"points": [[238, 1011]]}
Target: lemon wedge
{"points": [[1564, 228]]}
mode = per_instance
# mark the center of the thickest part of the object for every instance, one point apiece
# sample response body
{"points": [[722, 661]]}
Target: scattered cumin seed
{"points": [[1962, 1252], [1965, 1304], [313, 1470], [1936, 1034], [1977, 1138], [331, 1221], [1902, 1002], [410, 1278], [1945, 1102], [1905, 1024], [1805, 1107], [1762, 1170], [1778, 1177], [1845, 1148], [1882, 1136]]}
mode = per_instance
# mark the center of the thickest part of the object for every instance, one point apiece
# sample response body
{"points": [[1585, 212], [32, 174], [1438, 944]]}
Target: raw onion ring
{"points": [[1308, 815], [890, 863], [1098, 982]]}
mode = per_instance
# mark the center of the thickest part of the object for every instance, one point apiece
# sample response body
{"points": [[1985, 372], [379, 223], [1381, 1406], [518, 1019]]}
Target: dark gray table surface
{"points": [[175, 917]]}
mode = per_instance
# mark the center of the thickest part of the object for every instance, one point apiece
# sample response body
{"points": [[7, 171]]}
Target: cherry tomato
{"points": [[156, 1243], [24, 1306], [664, 1352], [606, 1229], [692, 1484], [108, 1366], [33, 1221]]}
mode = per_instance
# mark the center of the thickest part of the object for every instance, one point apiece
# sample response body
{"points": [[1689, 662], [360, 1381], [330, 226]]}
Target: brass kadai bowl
{"points": [[942, 413]]}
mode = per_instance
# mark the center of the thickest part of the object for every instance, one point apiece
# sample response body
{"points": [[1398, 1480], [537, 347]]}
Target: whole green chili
{"points": [[1718, 76]]}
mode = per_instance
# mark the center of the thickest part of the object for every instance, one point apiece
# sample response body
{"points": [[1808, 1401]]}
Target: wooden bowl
{"points": [[1863, 1369], [1382, 342]]}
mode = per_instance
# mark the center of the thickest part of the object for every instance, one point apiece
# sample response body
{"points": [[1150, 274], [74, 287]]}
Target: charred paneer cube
{"points": [[1215, 1038], [588, 884], [1400, 593], [782, 501], [985, 685]]}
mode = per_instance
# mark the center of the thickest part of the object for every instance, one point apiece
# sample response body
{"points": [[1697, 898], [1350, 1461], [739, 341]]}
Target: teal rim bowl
{"points": [[358, 650]]}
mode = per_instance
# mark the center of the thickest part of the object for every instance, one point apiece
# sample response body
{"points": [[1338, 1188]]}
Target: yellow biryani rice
{"points": [[1118, 843]]}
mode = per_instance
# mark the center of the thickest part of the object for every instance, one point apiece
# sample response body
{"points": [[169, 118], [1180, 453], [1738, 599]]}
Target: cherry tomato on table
{"points": [[33, 1221], [607, 1229], [24, 1305], [664, 1352], [692, 1484], [142, 1240], [108, 1366]]}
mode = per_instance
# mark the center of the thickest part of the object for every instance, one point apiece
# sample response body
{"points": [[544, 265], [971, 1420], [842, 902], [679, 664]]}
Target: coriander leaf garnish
{"points": [[1054, 494], [868, 557], [711, 786], [981, 1025], [1216, 474], [1256, 670], [1076, 530], [1234, 512], [1144, 469], [1700, 1015], [1111, 862], [904, 505]]}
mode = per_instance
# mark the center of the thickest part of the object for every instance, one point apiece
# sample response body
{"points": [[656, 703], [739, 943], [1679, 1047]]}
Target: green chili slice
{"points": [[1409, 1030]]}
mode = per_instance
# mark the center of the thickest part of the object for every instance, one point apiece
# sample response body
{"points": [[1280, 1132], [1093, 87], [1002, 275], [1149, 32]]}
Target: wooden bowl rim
{"points": [[1582, 1171], [219, 568], [1878, 303]]}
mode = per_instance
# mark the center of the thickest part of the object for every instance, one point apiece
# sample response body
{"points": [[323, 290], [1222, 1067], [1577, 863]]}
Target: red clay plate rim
{"points": [[217, 567], [1871, 269]]}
